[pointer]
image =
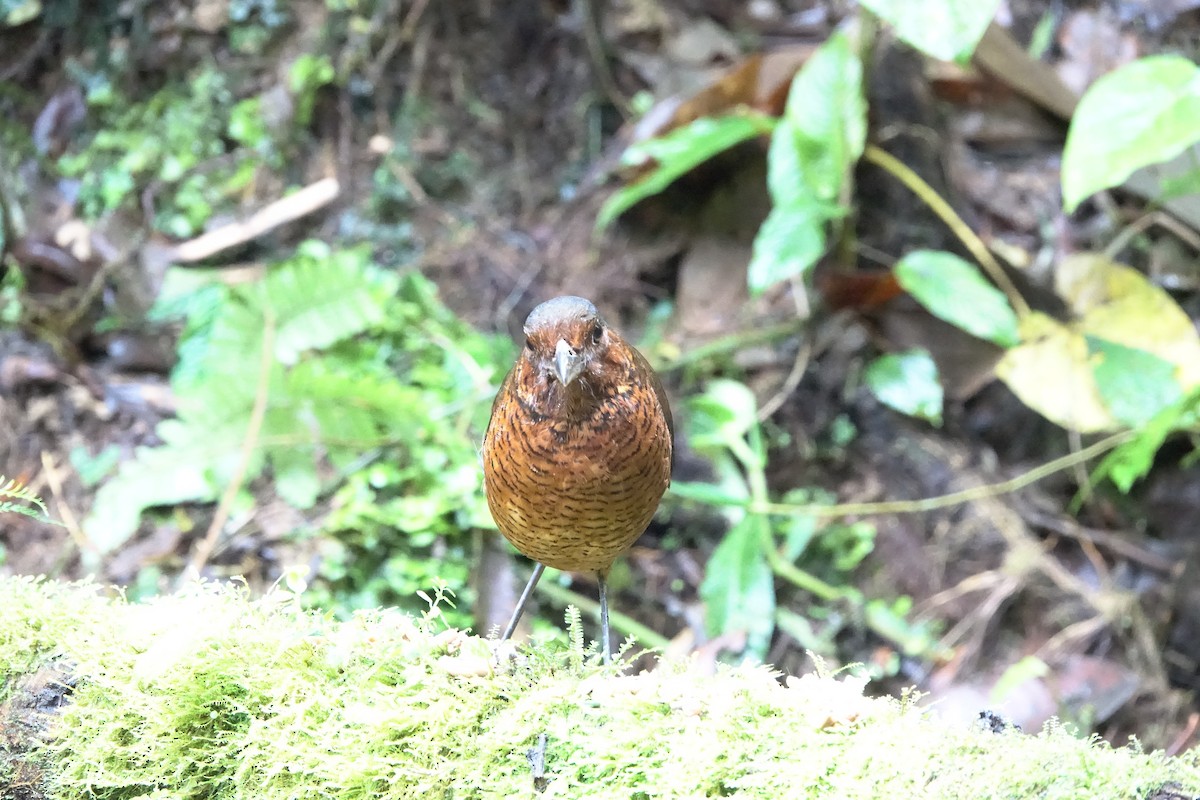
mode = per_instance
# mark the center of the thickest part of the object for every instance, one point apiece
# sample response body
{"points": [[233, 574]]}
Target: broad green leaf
{"points": [[955, 291], [788, 244], [677, 153], [907, 382], [1134, 384], [723, 414], [799, 530], [812, 152], [739, 589], [1119, 304], [1051, 373], [945, 29], [1143, 113], [827, 116], [1130, 462], [1053, 370]]}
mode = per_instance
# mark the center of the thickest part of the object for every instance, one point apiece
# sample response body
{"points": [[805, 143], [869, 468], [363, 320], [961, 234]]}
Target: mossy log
{"points": [[209, 694]]}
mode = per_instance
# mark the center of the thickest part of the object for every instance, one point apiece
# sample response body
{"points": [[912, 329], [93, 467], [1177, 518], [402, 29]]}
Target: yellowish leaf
{"points": [[1118, 303], [1052, 372]]}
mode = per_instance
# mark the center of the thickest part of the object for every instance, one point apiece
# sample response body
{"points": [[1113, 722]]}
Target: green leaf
{"points": [[1130, 462], [14, 13], [319, 298], [678, 152], [1180, 185], [1143, 113], [788, 244], [892, 621], [709, 493], [827, 124], [955, 291], [798, 530], [847, 545], [722, 415], [193, 464], [295, 472], [907, 382], [323, 296], [812, 152], [1134, 384], [739, 589], [93, 469], [945, 29], [1029, 668]]}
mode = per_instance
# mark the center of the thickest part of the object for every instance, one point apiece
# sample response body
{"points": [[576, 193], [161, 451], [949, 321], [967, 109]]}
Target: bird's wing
{"points": [[644, 368], [502, 393]]}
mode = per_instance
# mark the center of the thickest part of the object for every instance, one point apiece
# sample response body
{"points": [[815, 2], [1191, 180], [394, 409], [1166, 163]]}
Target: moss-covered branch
{"points": [[211, 695]]}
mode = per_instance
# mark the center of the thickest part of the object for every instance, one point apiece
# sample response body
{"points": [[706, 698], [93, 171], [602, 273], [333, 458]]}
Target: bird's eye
{"points": [[597, 334], [529, 345]]}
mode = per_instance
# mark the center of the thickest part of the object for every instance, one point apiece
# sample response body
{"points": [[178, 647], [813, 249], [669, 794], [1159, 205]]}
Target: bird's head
{"points": [[566, 339]]}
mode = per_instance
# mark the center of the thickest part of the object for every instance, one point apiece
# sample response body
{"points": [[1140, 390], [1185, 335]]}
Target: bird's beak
{"points": [[567, 363]]}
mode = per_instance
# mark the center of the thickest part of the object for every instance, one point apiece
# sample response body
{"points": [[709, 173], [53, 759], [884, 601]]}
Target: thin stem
{"points": [[734, 342], [249, 444], [948, 215], [627, 625], [941, 501]]}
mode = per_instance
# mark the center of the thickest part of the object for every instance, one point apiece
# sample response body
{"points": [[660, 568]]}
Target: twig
{"points": [[70, 521], [594, 41], [282, 211], [799, 366], [1180, 742], [941, 501], [735, 341], [205, 549], [939, 206], [1117, 544], [1146, 221]]}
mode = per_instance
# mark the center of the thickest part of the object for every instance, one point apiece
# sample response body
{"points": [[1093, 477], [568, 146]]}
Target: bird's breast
{"points": [[574, 492]]}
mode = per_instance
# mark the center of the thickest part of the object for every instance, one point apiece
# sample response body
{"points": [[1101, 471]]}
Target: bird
{"points": [[579, 448]]}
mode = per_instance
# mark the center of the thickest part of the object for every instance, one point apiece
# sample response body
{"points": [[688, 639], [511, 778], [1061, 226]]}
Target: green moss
{"points": [[211, 695]]}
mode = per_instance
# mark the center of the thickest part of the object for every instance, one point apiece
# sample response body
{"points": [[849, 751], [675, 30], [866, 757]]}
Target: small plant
{"points": [[1129, 358], [16, 498], [330, 376], [173, 140], [739, 585]]}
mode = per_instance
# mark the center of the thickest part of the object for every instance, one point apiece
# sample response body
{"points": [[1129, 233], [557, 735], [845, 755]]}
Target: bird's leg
{"points": [[520, 609], [604, 643]]}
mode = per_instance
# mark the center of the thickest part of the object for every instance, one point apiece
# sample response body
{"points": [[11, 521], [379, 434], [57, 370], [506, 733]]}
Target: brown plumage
{"points": [[578, 451]]}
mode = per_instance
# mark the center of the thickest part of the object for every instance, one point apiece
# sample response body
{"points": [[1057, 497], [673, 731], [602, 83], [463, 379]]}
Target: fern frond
{"points": [[575, 637], [11, 487], [322, 297]]}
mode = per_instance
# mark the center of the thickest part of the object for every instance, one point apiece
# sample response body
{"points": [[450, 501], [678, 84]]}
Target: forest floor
{"points": [[477, 145]]}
